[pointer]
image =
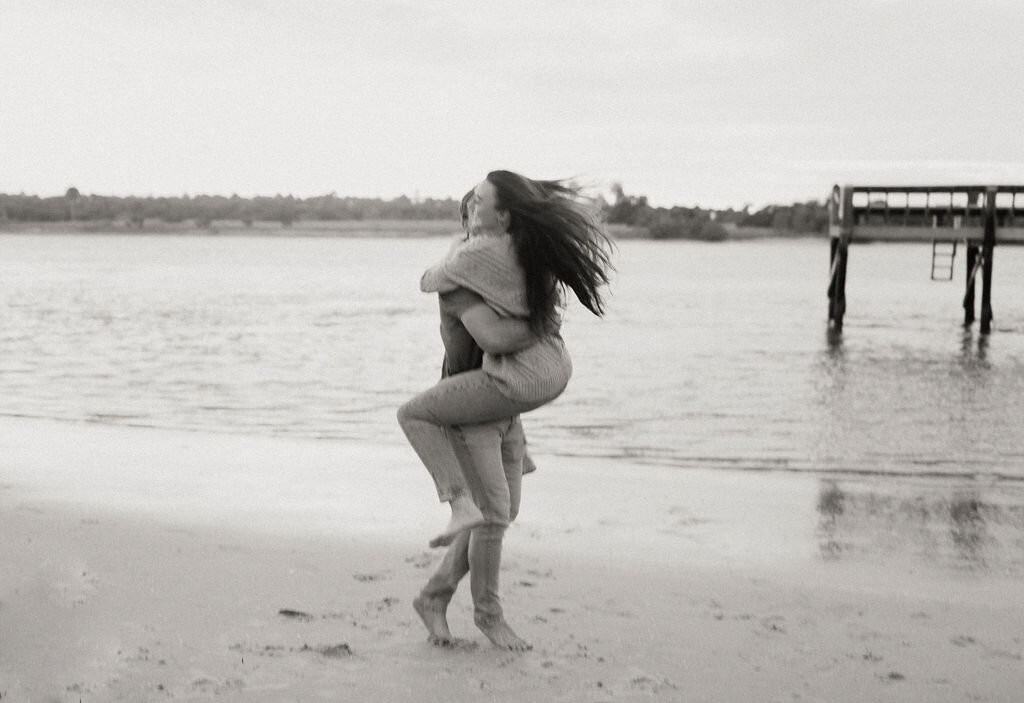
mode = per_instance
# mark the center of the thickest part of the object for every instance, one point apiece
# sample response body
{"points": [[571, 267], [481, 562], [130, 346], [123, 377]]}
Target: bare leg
{"points": [[432, 602], [484, 567]]}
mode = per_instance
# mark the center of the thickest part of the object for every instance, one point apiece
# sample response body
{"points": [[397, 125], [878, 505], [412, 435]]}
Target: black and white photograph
{"points": [[582, 351]]}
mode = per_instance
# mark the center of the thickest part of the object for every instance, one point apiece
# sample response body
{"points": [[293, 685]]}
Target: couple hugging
{"points": [[500, 292]]}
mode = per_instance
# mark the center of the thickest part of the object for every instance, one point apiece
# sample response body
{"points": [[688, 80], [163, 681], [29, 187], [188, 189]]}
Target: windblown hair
{"points": [[558, 241]]}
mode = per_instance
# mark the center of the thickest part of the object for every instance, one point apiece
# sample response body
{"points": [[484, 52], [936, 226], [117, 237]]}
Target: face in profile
{"points": [[484, 215]]}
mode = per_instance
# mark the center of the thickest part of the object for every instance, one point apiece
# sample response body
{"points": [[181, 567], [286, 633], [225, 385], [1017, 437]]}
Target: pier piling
{"points": [[840, 218], [987, 247], [973, 261]]}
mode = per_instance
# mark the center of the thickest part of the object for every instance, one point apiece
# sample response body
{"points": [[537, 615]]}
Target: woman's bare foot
{"points": [[465, 516], [501, 635], [434, 617]]}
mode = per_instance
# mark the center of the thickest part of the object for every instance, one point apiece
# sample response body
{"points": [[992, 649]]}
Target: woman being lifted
{"points": [[529, 241]]}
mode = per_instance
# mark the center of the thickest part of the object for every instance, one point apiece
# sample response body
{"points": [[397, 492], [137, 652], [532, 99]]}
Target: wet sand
{"points": [[142, 564]]}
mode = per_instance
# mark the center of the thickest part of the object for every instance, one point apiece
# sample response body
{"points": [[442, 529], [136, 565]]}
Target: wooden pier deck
{"points": [[980, 217]]}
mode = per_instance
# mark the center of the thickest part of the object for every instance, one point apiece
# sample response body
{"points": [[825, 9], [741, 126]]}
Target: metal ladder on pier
{"points": [[943, 254]]}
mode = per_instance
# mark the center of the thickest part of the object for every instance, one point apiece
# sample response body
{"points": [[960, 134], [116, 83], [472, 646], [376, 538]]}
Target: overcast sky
{"points": [[692, 103]]}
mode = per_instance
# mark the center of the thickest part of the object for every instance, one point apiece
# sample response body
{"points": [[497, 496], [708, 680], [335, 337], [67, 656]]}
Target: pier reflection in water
{"points": [[953, 527], [926, 460]]}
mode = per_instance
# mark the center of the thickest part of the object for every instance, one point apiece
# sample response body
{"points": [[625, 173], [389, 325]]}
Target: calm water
{"points": [[711, 355]]}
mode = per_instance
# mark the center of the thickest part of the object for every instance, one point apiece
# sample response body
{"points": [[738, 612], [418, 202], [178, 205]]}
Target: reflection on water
{"points": [[834, 343], [964, 528], [948, 410], [893, 417], [974, 350]]}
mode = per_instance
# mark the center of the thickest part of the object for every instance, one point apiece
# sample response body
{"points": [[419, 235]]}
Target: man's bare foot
{"points": [[433, 616], [465, 516], [501, 635]]}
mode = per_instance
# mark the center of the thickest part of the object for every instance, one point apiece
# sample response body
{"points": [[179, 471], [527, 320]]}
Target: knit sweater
{"points": [[487, 265]]}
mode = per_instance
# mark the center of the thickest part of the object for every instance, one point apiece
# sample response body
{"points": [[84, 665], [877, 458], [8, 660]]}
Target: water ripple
{"points": [[708, 358]]}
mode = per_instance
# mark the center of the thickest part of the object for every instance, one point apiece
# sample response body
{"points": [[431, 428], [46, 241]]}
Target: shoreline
{"points": [[147, 564], [236, 228], [347, 228], [781, 523]]}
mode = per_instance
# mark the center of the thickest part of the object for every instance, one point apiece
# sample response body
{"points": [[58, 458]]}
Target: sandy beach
{"points": [[146, 565]]}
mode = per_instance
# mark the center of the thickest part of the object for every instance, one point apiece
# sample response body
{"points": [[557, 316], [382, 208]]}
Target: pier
{"points": [[978, 217]]}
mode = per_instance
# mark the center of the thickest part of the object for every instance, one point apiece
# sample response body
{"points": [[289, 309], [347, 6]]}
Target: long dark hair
{"points": [[558, 241]]}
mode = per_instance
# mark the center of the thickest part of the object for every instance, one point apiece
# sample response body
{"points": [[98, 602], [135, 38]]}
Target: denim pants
{"points": [[438, 425], [496, 447]]}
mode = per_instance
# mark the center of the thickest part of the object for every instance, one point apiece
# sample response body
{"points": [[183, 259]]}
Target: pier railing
{"points": [[978, 216]]}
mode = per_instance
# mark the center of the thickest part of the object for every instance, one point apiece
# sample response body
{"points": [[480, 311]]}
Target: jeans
{"points": [[492, 453], [495, 448], [436, 423]]}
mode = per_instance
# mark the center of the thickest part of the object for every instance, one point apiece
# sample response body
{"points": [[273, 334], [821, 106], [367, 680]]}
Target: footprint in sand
{"points": [[775, 624], [384, 604], [295, 614], [422, 560], [680, 520], [73, 586], [892, 677], [536, 573], [331, 651], [642, 681], [968, 641], [207, 685], [141, 654], [269, 650]]}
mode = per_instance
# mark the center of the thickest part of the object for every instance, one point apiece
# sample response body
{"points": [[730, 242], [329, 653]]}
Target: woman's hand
{"points": [[495, 334]]}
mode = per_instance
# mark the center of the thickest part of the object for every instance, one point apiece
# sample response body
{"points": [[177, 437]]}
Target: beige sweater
{"points": [[487, 265]]}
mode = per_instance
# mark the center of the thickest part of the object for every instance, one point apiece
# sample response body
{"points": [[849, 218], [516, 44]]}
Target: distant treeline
{"points": [[713, 225], [202, 210]]}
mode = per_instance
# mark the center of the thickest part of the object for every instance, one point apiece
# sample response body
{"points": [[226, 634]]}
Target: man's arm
{"points": [[494, 334]]}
